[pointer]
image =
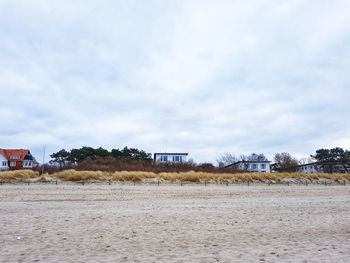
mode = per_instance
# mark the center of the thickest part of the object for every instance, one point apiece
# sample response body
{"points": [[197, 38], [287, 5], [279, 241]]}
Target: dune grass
{"points": [[132, 176], [18, 175], [191, 176], [196, 177], [73, 175]]}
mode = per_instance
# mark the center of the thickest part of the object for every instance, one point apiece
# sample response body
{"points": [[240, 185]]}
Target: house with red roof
{"points": [[15, 159]]}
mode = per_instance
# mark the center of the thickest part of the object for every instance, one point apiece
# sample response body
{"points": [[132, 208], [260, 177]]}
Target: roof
{"points": [[21, 153], [307, 164], [171, 154], [2, 152], [320, 163]]}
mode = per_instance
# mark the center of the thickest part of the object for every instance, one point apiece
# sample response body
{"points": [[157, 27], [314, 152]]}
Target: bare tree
{"points": [[226, 159], [253, 157], [285, 162], [306, 160]]}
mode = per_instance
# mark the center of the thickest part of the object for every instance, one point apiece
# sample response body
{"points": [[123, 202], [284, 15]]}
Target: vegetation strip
{"points": [[191, 176]]}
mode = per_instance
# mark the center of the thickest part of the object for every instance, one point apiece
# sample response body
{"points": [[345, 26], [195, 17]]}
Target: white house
{"points": [[170, 157], [309, 168], [4, 164], [251, 166]]}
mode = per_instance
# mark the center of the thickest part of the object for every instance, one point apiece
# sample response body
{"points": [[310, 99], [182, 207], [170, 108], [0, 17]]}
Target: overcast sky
{"points": [[204, 77]]}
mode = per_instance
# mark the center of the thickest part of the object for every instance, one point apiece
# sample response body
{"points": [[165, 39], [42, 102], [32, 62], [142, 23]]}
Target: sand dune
{"points": [[170, 223]]}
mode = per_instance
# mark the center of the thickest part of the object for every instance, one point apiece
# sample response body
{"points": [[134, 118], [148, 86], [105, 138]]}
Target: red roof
{"points": [[2, 152], [15, 154]]}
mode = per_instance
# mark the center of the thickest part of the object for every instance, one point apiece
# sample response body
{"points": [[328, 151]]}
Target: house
{"points": [[323, 167], [170, 157], [309, 168], [16, 159], [3, 161], [260, 166]]}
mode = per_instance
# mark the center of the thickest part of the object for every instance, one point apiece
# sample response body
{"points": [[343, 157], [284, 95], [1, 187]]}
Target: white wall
{"points": [[250, 167], [308, 169], [3, 159], [259, 167], [170, 158]]}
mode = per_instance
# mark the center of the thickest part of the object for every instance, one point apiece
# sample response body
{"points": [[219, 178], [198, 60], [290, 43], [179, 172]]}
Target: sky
{"points": [[199, 76]]}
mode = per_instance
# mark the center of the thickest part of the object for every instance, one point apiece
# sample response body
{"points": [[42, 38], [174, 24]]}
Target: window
{"points": [[14, 157], [13, 164], [27, 164], [263, 166], [4, 163], [254, 166], [177, 158], [163, 158]]}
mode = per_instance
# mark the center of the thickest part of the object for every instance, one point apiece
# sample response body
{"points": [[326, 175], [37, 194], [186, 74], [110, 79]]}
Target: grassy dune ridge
{"points": [[17, 175], [191, 176]]}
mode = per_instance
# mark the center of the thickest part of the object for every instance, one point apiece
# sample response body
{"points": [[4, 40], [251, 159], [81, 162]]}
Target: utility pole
{"points": [[43, 165]]}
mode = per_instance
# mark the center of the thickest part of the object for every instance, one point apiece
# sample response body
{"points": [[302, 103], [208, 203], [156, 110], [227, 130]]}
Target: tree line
{"points": [[77, 156]]}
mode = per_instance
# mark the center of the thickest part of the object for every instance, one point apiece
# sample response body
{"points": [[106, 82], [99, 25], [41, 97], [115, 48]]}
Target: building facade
{"points": [[251, 166], [170, 157], [324, 167]]}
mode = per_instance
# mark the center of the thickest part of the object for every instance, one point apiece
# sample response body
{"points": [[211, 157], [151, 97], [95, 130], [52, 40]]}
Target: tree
{"points": [[285, 162], [87, 153], [131, 154], [61, 157], [253, 157], [226, 159], [306, 160], [331, 159]]}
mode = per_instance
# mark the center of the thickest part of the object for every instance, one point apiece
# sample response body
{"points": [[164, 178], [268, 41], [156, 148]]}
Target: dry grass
{"points": [[73, 175], [131, 176], [196, 177], [18, 175]]}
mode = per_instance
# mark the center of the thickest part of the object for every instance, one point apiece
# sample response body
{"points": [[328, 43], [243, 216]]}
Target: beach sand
{"points": [[172, 223]]}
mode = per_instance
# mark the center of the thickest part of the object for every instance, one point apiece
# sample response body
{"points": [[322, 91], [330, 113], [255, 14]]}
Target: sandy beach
{"points": [[172, 223]]}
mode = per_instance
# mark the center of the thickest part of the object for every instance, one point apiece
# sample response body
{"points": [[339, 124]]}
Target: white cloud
{"points": [[199, 76]]}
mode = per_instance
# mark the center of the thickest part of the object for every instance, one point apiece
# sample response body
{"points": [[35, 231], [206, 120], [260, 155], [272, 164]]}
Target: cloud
{"points": [[204, 77]]}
